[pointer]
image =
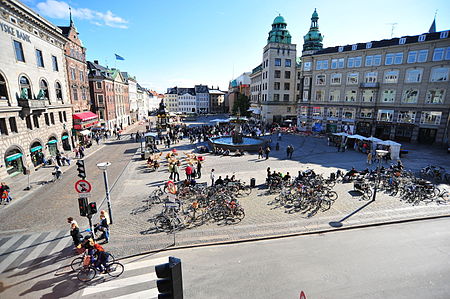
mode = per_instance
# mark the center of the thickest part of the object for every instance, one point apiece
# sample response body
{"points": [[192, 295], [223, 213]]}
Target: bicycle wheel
{"points": [[77, 264], [86, 274], [246, 190], [332, 195], [162, 222], [115, 269], [325, 204]]}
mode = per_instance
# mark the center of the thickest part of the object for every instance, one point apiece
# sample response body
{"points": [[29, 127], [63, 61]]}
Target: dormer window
{"points": [[354, 47], [402, 41], [340, 49], [444, 34], [422, 38], [368, 45]]}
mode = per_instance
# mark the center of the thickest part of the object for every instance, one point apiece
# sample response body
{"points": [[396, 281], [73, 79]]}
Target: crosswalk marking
{"points": [[25, 252], [46, 252], [145, 264], [147, 294], [9, 243], [15, 251], [62, 243], [119, 283], [38, 250]]}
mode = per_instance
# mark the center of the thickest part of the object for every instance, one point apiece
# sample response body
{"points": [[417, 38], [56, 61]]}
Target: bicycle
{"points": [[77, 263], [88, 272]]}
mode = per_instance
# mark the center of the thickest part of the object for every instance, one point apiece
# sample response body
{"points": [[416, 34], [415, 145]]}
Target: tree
{"points": [[241, 105]]}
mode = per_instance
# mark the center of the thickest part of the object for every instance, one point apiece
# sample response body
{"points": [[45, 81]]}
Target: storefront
{"points": [[13, 162], [331, 127], [36, 154], [404, 132], [364, 129], [82, 122], [65, 141], [427, 136], [52, 145], [383, 131]]}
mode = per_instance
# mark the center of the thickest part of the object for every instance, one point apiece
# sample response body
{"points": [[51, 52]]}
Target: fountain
{"points": [[237, 140]]}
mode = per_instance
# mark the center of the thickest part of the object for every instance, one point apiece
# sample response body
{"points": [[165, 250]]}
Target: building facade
{"points": [[121, 100], [392, 89], [132, 95], [202, 98], [35, 109], [240, 85], [216, 101], [171, 99], [186, 100], [255, 91]]}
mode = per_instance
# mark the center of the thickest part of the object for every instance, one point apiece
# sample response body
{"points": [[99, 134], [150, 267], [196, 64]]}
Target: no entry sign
{"points": [[83, 186]]}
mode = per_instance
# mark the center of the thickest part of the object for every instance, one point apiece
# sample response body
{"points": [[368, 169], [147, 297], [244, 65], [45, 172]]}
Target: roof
{"points": [[215, 91], [279, 20], [65, 30], [382, 43], [201, 88], [105, 72], [182, 91]]}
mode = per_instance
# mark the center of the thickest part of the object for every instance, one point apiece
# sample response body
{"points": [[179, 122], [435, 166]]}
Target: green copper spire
{"points": [[279, 33], [313, 39]]}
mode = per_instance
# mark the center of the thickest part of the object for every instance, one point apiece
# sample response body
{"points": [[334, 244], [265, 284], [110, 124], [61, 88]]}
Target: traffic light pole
{"points": [[90, 226], [108, 200]]}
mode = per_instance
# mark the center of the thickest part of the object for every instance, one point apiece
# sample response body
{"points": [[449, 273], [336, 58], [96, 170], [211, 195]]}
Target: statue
{"points": [[162, 108]]}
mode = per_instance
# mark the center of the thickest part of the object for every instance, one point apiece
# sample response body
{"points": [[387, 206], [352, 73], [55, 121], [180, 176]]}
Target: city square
{"points": [[322, 171]]}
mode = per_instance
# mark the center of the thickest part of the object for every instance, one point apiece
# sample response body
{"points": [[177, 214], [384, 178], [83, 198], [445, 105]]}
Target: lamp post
{"points": [[380, 155], [104, 166]]}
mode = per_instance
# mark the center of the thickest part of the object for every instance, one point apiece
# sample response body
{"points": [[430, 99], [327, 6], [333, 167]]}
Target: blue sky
{"points": [[174, 42]]}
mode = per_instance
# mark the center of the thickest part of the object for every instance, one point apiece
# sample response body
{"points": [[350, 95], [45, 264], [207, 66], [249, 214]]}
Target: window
{"points": [[348, 113], [391, 76], [350, 62], [402, 41], [367, 95], [338, 63], [55, 63], [320, 79], [410, 96], [321, 65], [388, 96], [58, 91], [277, 74], [333, 112], [25, 88], [28, 122], [36, 121], [341, 63], [412, 57], [318, 112], [398, 59], [320, 96], [298, 86], [100, 99], [352, 78], [60, 116], [305, 96], [336, 79], [350, 96], [413, 75], [277, 61], [47, 121], [389, 59], [334, 64], [376, 60], [75, 94], [439, 74], [447, 54], [371, 77], [444, 34], [431, 117], [287, 63], [304, 111], [52, 118], [276, 97], [99, 85], [438, 54], [3, 127], [3, 89], [406, 117], [341, 48], [354, 47], [286, 98], [358, 61], [366, 113], [19, 51], [435, 96], [422, 57], [73, 76], [306, 81], [385, 115], [307, 66], [287, 86], [276, 85], [335, 95], [44, 89], [368, 45], [81, 76], [39, 58], [287, 75], [422, 38], [369, 60]]}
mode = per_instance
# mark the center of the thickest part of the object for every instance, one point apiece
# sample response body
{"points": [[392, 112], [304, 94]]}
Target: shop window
{"points": [[3, 89], [13, 125], [25, 88]]}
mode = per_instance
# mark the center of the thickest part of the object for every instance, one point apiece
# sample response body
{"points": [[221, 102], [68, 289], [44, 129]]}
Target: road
{"points": [[409, 260]]}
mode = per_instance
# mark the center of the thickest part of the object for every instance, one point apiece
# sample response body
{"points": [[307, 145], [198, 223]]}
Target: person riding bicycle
{"points": [[100, 258]]}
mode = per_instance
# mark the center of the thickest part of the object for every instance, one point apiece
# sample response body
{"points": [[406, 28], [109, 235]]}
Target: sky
{"points": [[186, 42]]}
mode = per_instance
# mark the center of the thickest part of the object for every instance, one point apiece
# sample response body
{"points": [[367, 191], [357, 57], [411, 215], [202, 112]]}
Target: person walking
{"points": [[288, 151], [81, 151], [58, 159], [260, 152], [176, 171], [291, 151], [188, 171], [102, 226], [213, 177], [369, 158], [75, 232], [199, 169], [277, 146], [5, 193], [267, 152], [171, 165]]}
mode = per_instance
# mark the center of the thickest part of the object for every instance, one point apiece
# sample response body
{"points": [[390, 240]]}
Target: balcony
{"points": [[33, 104], [369, 85]]}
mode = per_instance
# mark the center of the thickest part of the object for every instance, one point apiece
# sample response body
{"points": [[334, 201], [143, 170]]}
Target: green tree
{"points": [[241, 105]]}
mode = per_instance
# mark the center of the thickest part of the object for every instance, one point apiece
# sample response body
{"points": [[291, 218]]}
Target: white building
{"points": [[35, 109], [202, 98], [153, 100], [187, 101], [171, 99], [142, 103]]}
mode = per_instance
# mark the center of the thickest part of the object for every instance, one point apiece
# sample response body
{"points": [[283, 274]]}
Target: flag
{"points": [[119, 57], [432, 27]]}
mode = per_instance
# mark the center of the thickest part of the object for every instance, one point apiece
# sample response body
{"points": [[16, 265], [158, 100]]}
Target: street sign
{"points": [[84, 195], [83, 186], [302, 295]]}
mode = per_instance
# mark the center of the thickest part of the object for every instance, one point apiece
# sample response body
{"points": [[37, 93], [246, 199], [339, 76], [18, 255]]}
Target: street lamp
{"points": [[380, 154], [104, 166]]}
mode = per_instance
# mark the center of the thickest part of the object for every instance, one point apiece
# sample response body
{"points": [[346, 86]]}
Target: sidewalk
{"points": [[43, 175]]}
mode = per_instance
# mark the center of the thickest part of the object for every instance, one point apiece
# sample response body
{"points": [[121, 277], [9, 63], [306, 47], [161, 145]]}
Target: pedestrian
{"points": [[81, 152], [171, 170], [5, 193], [118, 135], [213, 177], [199, 169], [188, 171], [103, 226], [369, 158], [260, 152], [288, 150], [58, 159], [279, 135], [267, 152], [75, 231], [176, 171], [277, 146], [291, 151]]}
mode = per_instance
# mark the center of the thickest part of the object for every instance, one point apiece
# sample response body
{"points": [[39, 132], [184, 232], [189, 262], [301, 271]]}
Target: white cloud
{"points": [[60, 10]]}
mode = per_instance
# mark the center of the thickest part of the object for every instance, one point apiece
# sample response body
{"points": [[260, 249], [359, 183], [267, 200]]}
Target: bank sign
{"points": [[14, 32]]}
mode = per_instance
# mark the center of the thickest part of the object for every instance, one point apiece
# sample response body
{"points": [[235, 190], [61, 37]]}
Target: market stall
{"points": [[393, 148]]}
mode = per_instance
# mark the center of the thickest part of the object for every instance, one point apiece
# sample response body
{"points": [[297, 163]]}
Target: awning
{"points": [[85, 116], [254, 110], [64, 137], [52, 141], [13, 157], [36, 148], [85, 132]]}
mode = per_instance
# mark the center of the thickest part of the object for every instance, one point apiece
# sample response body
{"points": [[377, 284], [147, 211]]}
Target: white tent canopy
{"points": [[356, 136], [218, 120], [85, 132], [340, 134], [394, 148]]}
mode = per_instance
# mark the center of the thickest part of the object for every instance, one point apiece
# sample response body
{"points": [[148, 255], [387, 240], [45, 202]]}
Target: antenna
{"points": [[393, 25]]}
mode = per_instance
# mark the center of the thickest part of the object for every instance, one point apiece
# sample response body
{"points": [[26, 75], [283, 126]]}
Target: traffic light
{"points": [[83, 204], [170, 281], [92, 208], [81, 169]]}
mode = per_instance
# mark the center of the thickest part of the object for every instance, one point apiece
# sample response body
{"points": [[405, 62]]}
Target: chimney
{"points": [[96, 61]]}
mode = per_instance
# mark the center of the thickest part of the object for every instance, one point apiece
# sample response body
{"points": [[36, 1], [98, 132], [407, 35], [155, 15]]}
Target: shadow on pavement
{"points": [[339, 222]]}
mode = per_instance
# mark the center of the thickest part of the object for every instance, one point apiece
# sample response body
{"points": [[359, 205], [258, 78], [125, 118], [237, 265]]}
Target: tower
{"points": [[279, 33], [313, 39]]}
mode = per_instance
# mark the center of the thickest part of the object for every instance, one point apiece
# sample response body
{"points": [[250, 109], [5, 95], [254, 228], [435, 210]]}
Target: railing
{"points": [[32, 104]]}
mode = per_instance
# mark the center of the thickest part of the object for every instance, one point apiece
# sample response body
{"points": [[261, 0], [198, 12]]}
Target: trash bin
{"points": [[252, 183]]}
